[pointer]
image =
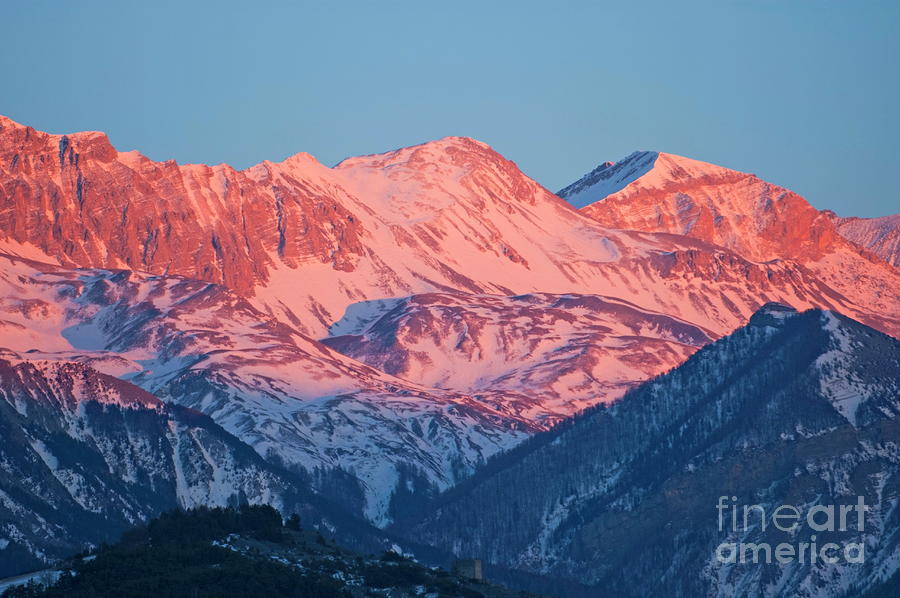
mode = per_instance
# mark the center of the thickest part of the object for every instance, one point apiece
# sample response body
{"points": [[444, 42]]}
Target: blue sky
{"points": [[802, 93]]}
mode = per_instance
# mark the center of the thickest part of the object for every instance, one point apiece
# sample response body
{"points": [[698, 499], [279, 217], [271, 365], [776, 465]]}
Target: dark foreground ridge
{"points": [[248, 551]]}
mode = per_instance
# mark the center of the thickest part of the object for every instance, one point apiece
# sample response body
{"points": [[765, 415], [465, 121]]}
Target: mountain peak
{"points": [[458, 141], [301, 162], [6, 121], [71, 383], [301, 158], [772, 314], [68, 146], [608, 178], [733, 209], [445, 149], [641, 170], [453, 142], [672, 168]]}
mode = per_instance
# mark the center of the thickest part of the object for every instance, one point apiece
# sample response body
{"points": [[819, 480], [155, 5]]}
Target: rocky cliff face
{"points": [[373, 227], [798, 409], [86, 204]]}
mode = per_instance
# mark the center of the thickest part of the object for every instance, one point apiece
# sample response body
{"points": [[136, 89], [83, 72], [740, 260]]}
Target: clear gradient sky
{"points": [[803, 93]]}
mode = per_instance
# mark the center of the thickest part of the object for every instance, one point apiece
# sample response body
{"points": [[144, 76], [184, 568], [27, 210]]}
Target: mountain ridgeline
{"points": [[85, 456], [426, 345]]}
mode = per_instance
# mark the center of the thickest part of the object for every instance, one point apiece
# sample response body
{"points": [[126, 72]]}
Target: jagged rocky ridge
{"points": [[794, 408], [304, 242]]}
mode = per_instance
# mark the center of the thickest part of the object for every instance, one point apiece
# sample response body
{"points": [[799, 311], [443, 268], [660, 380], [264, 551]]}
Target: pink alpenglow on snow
{"points": [[418, 310]]}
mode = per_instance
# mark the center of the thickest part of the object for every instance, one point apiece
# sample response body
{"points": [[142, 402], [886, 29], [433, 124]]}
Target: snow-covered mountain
{"points": [[85, 455], [720, 205], [609, 178], [393, 321], [728, 208], [760, 221], [556, 354], [297, 402], [450, 214], [795, 408], [378, 330], [304, 242]]}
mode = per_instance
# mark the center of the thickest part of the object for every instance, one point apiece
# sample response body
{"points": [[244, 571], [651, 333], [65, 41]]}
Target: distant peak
{"points": [[608, 178], [458, 140], [301, 159], [74, 382], [429, 151], [5, 121], [454, 142], [640, 170], [672, 167]]}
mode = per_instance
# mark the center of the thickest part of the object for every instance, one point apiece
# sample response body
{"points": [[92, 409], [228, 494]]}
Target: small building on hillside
{"points": [[468, 568]]}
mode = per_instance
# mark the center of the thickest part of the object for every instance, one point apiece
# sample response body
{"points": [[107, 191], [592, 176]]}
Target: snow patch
{"points": [[608, 178]]}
